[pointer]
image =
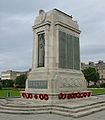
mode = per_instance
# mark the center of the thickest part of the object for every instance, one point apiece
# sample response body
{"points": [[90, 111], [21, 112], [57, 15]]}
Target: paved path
{"points": [[95, 116]]}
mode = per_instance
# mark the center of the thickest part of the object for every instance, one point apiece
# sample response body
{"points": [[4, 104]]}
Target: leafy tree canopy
{"points": [[91, 74], [7, 83], [20, 81]]}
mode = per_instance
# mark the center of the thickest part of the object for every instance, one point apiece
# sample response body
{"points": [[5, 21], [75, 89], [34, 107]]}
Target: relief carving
{"points": [[42, 15], [71, 82]]}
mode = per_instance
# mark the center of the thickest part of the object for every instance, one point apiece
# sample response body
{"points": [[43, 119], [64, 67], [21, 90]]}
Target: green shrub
{"points": [[0, 86], [102, 85], [7, 83]]}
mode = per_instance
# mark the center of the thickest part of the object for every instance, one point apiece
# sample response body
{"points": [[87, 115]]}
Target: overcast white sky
{"points": [[17, 17]]}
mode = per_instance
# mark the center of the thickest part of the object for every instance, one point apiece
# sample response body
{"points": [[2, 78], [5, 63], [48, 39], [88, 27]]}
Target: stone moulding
{"points": [[41, 25], [68, 27]]}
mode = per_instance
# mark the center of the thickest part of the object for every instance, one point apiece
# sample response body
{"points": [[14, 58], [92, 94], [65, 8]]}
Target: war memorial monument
{"points": [[56, 58], [56, 83]]}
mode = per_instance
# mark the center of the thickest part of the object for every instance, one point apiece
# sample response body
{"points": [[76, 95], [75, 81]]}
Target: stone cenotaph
{"points": [[56, 84], [56, 75]]}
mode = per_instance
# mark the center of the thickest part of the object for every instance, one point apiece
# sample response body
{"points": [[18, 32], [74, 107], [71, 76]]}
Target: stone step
{"points": [[55, 109], [73, 109], [25, 109], [78, 114], [24, 106], [24, 112], [62, 108], [79, 109], [90, 111]]}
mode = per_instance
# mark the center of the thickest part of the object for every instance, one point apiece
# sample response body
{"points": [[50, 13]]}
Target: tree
{"points": [[102, 85], [0, 85], [91, 74], [7, 83], [20, 81]]}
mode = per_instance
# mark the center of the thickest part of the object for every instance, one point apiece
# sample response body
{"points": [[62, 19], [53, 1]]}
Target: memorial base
{"points": [[50, 84]]}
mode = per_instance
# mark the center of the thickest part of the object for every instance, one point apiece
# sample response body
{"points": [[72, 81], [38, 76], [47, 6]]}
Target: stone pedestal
{"points": [[56, 57]]}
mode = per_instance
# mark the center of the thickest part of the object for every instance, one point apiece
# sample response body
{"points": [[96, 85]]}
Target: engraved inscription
{"points": [[69, 56], [38, 84]]}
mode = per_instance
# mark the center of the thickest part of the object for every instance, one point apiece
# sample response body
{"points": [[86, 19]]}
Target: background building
{"points": [[11, 75], [99, 66]]}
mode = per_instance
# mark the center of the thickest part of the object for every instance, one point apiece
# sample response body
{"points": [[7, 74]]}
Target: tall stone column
{"points": [[47, 30]]}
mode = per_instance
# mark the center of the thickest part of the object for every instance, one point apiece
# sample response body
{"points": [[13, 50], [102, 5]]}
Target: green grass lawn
{"points": [[97, 91], [13, 92], [16, 93]]}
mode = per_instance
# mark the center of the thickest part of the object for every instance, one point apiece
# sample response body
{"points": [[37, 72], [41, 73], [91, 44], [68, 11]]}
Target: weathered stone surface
{"points": [[74, 108], [56, 57]]}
